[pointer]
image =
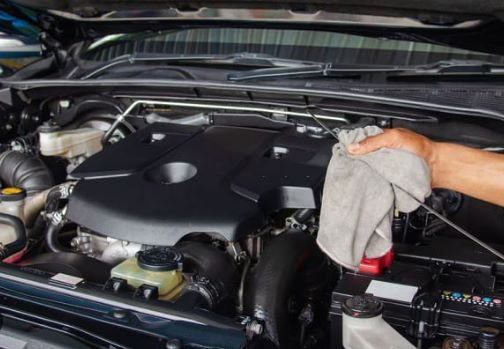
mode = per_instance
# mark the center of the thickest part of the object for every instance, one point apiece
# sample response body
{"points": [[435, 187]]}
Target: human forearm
{"points": [[470, 171], [474, 172]]}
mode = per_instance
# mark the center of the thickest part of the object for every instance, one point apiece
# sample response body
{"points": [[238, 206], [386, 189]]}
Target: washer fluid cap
{"points": [[159, 259]]}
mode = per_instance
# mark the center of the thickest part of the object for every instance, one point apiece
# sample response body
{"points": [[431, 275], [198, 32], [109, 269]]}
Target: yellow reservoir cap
{"points": [[11, 190], [12, 194]]}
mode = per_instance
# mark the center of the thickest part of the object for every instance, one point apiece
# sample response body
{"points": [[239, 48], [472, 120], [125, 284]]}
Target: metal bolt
{"points": [[260, 314], [383, 122], [457, 343], [307, 315], [119, 314], [116, 286], [65, 104], [147, 293], [57, 217], [75, 242], [254, 328], [173, 344]]}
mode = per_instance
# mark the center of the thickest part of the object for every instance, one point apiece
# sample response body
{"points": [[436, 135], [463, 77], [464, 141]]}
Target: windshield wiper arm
{"points": [[315, 70], [236, 58], [288, 68]]}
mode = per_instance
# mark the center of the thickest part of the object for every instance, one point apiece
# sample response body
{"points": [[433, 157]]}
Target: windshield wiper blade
{"points": [[454, 67], [275, 67], [236, 58], [315, 70]]}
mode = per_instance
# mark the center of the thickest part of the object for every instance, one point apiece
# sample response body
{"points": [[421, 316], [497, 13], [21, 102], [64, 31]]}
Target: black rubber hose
{"points": [[303, 214], [52, 231], [24, 171], [192, 299], [38, 229], [20, 242], [291, 264], [214, 265]]}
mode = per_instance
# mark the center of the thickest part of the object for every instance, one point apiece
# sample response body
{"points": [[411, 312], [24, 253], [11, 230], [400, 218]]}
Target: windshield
{"points": [[318, 46]]}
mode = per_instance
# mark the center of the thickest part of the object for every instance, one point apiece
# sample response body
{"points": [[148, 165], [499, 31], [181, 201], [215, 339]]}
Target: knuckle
{"points": [[370, 144], [394, 136], [394, 133]]}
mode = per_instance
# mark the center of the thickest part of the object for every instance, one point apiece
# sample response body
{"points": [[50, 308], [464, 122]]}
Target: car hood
{"points": [[456, 10], [469, 24]]}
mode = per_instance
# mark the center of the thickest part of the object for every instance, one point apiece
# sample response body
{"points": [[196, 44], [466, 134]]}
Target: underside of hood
{"points": [[427, 10], [468, 24]]}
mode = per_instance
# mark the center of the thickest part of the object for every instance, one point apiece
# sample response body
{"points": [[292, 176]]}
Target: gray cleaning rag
{"points": [[360, 194]]}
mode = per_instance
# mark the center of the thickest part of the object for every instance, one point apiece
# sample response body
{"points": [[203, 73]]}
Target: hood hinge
{"points": [[51, 46]]}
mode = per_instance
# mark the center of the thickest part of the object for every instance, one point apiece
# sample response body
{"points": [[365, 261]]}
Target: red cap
{"points": [[376, 266]]}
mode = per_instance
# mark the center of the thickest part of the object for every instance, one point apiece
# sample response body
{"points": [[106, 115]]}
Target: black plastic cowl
{"points": [[25, 171]]}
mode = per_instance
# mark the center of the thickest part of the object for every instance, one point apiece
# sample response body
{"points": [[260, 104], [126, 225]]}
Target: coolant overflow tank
{"points": [[364, 307], [12, 201], [365, 328], [159, 267]]}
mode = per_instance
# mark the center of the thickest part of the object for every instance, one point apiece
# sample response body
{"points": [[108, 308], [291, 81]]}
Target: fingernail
{"points": [[352, 148]]}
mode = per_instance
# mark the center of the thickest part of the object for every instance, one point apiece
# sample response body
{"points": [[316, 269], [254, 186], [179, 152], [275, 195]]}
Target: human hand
{"points": [[470, 171], [399, 138]]}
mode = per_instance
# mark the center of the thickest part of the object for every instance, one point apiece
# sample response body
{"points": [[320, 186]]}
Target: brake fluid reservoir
{"points": [[70, 143], [12, 201], [160, 267]]}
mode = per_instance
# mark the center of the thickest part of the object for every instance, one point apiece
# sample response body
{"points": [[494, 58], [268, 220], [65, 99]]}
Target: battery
{"points": [[423, 302]]}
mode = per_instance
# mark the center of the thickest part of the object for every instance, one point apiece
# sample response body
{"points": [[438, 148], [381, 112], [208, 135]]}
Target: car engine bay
{"points": [[214, 206]]}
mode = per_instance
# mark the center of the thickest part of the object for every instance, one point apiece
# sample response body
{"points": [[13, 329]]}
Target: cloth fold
{"points": [[360, 195]]}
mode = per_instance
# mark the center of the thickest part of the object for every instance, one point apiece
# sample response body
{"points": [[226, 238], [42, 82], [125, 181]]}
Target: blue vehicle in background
{"points": [[19, 44]]}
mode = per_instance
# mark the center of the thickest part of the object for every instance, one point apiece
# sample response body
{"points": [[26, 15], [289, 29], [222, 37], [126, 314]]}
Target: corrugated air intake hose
{"points": [[25, 171], [291, 264]]}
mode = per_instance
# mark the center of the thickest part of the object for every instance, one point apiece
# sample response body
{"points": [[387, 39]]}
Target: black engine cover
{"points": [[166, 181]]}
